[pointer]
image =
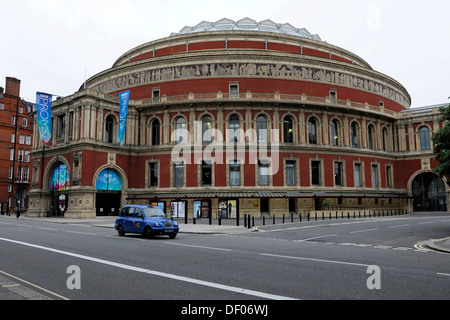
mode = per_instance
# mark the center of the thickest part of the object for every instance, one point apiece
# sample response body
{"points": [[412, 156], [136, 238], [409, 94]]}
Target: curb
{"points": [[434, 244]]}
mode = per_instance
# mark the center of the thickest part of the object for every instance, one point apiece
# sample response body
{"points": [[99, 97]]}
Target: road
{"points": [[344, 259]]}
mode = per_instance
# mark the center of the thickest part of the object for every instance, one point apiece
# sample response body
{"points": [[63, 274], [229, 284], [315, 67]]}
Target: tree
{"points": [[441, 141]]}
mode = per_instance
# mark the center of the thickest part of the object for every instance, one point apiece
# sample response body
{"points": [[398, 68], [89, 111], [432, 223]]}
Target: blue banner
{"points": [[123, 104], [60, 178], [44, 116], [110, 180]]}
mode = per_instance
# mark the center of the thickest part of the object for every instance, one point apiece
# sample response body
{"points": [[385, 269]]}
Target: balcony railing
{"points": [[264, 97]]}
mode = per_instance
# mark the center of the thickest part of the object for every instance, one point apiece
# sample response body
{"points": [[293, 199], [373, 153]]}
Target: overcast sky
{"points": [[50, 45]]}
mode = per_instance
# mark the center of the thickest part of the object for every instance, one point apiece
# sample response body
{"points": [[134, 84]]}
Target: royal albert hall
{"points": [[234, 118]]}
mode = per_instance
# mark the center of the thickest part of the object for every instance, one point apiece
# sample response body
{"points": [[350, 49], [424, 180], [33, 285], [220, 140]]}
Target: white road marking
{"points": [[367, 230], [50, 229], [314, 259], [155, 273], [193, 246], [443, 274], [85, 233], [23, 225], [399, 226], [318, 237]]}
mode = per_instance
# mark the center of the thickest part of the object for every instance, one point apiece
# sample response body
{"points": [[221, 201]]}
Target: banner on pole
{"points": [[44, 116], [123, 104]]}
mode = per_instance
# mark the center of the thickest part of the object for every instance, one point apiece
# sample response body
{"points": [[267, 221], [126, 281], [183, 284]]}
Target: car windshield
{"points": [[153, 212]]}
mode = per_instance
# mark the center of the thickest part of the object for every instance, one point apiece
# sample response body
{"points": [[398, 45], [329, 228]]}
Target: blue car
{"points": [[147, 220]]}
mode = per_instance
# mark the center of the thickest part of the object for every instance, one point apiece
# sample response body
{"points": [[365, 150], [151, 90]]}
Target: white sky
{"points": [[51, 44]]}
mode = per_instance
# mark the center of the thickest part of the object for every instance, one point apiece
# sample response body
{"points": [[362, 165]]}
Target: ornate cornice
{"points": [[247, 63]]}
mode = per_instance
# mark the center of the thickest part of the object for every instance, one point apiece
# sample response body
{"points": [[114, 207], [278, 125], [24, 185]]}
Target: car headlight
{"points": [[156, 224], [175, 224]]}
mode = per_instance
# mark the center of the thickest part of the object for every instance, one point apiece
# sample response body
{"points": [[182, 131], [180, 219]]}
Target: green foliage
{"points": [[441, 141]]}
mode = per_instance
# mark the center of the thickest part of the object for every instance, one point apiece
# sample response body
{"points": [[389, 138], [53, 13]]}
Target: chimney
{"points": [[12, 87]]}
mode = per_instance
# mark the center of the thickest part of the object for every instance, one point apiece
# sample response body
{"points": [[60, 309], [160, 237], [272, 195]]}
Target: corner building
{"points": [[238, 117], [16, 133]]}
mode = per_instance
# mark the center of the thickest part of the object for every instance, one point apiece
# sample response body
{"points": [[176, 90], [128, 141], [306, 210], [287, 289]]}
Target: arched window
{"points": [[108, 179], [288, 129], [354, 135], [261, 129], [424, 138], [206, 129], [334, 132], [109, 129], [180, 130], [156, 133], [371, 136], [384, 136], [234, 126], [59, 180], [312, 130]]}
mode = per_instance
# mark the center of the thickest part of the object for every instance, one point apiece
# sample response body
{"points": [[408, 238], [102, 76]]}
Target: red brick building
{"points": [[231, 118], [16, 136]]}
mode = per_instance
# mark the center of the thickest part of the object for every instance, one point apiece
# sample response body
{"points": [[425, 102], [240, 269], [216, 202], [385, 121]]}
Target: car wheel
{"points": [[148, 233], [120, 231], [172, 236]]}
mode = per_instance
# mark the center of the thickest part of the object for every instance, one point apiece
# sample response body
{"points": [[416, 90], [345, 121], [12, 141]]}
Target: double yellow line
{"points": [[30, 284]]}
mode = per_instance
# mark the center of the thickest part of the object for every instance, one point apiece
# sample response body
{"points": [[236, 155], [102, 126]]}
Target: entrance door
{"points": [[264, 206], [59, 204], [108, 203], [429, 193], [292, 205]]}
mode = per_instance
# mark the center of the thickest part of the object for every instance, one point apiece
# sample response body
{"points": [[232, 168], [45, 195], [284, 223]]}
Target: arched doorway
{"points": [[59, 183], [109, 192], [428, 192]]}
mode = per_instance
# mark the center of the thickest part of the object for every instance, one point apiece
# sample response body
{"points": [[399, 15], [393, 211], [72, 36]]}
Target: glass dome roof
{"points": [[248, 24]]}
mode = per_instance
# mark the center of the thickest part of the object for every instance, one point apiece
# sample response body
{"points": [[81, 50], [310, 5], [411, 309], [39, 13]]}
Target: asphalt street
{"points": [[382, 258]]}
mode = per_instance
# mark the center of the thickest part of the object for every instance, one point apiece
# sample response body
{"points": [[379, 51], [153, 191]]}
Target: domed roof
{"points": [[248, 24]]}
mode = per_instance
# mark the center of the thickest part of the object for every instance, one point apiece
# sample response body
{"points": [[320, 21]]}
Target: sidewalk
{"points": [[442, 245], [227, 226]]}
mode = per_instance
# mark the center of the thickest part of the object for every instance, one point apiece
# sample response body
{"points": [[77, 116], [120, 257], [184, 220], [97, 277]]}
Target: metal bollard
{"points": [[248, 222]]}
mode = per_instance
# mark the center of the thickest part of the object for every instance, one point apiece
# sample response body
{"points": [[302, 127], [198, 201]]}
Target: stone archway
{"points": [[109, 184], [428, 192]]}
